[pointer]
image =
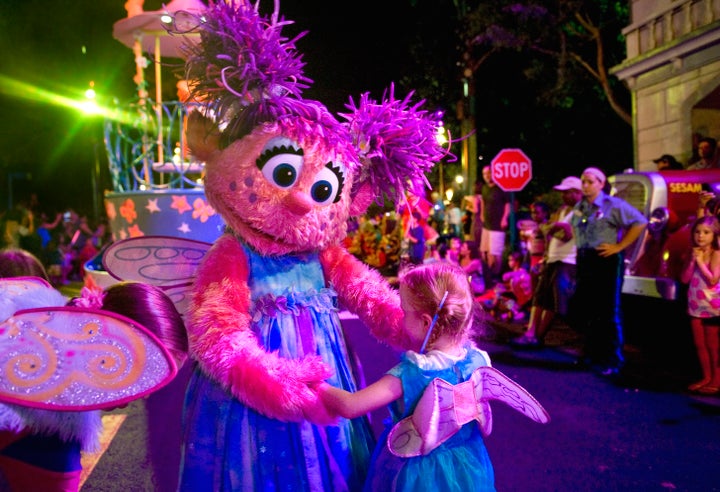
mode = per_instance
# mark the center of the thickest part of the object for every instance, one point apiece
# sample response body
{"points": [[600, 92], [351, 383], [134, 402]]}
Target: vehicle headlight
{"points": [[658, 220]]}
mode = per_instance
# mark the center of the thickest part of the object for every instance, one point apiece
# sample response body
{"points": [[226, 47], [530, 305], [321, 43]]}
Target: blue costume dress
{"points": [[229, 446], [459, 464]]}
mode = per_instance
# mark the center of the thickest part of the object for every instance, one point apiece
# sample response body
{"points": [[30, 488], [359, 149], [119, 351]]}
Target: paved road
{"points": [[643, 434]]}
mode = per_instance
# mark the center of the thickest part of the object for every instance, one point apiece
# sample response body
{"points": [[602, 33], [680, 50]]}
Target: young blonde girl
{"points": [[702, 274], [438, 312]]}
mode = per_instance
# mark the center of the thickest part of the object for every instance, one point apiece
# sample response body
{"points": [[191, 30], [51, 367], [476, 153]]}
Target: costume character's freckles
{"points": [[233, 186], [248, 181]]}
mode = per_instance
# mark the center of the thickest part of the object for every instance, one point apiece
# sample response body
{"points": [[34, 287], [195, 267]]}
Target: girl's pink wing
{"points": [[12, 286], [76, 359], [163, 261], [444, 408]]}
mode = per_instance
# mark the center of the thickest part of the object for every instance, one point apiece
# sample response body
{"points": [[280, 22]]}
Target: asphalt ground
{"points": [[640, 433]]}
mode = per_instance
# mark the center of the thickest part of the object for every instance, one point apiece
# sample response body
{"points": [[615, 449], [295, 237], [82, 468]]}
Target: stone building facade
{"points": [[672, 69]]}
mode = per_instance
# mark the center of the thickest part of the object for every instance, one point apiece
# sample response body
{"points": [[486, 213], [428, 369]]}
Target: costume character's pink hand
{"points": [[320, 413]]}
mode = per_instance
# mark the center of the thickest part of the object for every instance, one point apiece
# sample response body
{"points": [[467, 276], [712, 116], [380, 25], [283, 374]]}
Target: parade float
{"points": [[157, 185]]}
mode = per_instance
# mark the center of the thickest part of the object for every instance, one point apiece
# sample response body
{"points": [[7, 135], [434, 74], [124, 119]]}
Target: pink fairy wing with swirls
{"points": [[69, 358], [163, 261], [491, 384], [419, 434], [13, 286], [166, 262], [444, 408]]}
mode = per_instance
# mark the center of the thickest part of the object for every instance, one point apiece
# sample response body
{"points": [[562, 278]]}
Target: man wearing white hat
{"points": [[556, 283]]}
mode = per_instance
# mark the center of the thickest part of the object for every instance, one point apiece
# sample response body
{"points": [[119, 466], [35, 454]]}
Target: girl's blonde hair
{"points": [[426, 285]]}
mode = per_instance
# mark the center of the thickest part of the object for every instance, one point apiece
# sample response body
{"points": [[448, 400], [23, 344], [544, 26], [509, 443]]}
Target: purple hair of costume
{"points": [[397, 144], [242, 64], [245, 73]]}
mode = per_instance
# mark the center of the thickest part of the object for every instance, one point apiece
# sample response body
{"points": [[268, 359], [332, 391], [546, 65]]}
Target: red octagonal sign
{"points": [[511, 169]]}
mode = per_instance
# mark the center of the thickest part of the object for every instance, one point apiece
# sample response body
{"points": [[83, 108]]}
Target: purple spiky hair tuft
{"points": [[242, 62], [397, 144]]}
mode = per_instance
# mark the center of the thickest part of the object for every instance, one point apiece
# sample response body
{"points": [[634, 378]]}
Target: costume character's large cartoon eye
{"points": [[328, 185], [281, 162]]}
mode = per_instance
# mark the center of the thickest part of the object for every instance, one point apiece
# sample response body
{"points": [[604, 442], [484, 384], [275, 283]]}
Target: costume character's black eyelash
{"points": [[270, 153], [341, 179]]}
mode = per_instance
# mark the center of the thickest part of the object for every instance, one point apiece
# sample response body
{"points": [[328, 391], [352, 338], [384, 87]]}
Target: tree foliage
{"points": [[577, 40], [537, 79]]}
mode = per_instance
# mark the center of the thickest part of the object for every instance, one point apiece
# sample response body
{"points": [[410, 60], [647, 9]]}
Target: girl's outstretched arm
{"points": [[351, 405]]}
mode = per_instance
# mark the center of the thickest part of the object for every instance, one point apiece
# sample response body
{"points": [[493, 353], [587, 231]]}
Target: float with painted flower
{"points": [[158, 186]]}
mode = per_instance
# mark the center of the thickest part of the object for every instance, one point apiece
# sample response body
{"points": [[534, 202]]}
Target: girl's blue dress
{"points": [[459, 464], [229, 446]]}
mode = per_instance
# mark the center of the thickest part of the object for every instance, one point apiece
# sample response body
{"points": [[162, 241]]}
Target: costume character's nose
{"points": [[298, 202]]}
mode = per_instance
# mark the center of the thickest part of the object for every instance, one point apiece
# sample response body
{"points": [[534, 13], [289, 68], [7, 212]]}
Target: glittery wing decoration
{"points": [[491, 384], [397, 144], [166, 262], [14, 286], [444, 408], [68, 358]]}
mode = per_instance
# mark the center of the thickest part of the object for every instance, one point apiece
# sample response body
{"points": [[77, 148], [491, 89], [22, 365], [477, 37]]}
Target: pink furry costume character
{"points": [[263, 321]]}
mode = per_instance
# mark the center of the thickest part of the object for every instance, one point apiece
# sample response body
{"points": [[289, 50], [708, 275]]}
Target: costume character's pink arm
{"points": [[228, 351], [366, 293]]}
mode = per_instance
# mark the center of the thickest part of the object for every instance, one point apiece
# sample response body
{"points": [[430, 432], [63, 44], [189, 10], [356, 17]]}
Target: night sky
{"points": [[48, 52]]}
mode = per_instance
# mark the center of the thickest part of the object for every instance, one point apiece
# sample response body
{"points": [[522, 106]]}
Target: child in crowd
{"points": [[416, 239], [41, 449], [453, 253], [438, 252], [702, 273], [438, 312], [506, 301], [53, 259], [470, 261]]}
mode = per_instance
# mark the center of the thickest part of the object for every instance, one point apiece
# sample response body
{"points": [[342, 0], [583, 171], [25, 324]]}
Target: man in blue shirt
{"points": [[604, 227]]}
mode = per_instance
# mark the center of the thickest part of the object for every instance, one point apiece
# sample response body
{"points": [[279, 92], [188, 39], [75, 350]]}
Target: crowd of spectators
{"points": [[705, 155], [390, 241], [63, 240]]}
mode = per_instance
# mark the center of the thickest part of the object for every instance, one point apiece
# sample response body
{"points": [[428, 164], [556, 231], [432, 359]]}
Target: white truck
{"points": [[654, 299], [669, 199]]}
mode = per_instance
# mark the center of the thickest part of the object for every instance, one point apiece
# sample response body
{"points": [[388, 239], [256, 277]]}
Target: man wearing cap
{"points": [[556, 283], [604, 227], [666, 162]]}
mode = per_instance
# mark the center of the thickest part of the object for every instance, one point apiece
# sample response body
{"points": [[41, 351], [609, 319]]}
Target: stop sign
{"points": [[511, 169]]}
